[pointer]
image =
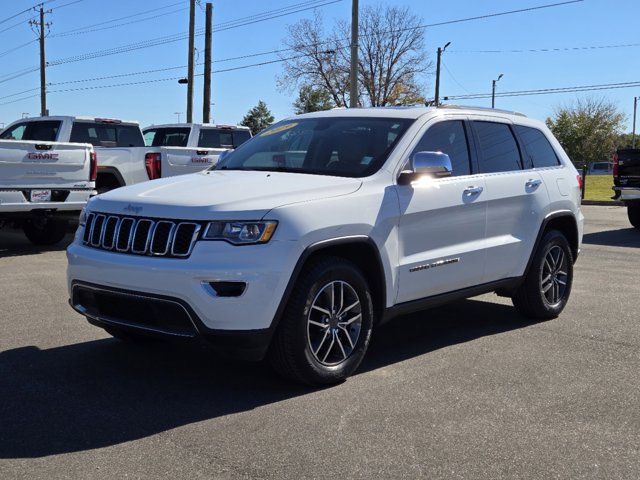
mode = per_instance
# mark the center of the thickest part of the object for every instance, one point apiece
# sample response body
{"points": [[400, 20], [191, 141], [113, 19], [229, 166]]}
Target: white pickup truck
{"points": [[119, 144], [180, 148], [43, 183]]}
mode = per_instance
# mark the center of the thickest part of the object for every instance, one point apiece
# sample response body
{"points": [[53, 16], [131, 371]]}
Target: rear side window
{"points": [[222, 138], [167, 137], [106, 134], [537, 146], [498, 147], [43, 131], [447, 137]]}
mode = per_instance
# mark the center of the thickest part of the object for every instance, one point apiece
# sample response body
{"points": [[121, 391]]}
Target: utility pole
{"points": [[436, 99], [633, 135], [41, 27], [493, 90], [192, 24], [353, 77], [208, 34]]}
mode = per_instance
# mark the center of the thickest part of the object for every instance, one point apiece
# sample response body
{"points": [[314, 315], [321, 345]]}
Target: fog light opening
{"points": [[227, 289]]}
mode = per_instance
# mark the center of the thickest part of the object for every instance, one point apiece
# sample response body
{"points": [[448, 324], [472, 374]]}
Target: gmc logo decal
{"points": [[42, 156], [200, 160]]}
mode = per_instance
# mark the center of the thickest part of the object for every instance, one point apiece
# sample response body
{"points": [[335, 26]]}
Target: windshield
{"points": [[345, 147]]}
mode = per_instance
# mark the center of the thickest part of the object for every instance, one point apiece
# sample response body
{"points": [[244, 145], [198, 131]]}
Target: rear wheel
{"points": [[325, 330], [546, 288], [45, 231], [633, 212]]}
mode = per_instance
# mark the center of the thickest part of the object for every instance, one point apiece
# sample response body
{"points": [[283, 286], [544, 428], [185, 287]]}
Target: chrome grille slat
{"points": [[140, 236]]}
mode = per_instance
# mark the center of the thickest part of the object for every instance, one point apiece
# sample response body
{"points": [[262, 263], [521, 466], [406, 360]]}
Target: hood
{"points": [[219, 194]]}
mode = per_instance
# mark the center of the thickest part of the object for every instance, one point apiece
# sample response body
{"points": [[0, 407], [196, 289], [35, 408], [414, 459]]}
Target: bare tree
{"points": [[391, 57]]}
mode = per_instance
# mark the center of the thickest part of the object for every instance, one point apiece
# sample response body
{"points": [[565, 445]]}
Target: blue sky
{"points": [[590, 23]]}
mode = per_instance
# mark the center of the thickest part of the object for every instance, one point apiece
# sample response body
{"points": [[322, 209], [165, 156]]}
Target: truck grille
{"points": [[140, 236]]}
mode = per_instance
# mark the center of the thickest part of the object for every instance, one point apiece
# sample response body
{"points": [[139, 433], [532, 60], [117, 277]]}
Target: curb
{"points": [[605, 203]]}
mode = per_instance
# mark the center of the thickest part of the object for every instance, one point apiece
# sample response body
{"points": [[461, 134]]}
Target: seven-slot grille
{"points": [[140, 236]]}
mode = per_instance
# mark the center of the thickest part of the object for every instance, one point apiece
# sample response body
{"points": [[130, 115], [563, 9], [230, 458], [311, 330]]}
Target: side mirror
{"points": [[433, 164]]}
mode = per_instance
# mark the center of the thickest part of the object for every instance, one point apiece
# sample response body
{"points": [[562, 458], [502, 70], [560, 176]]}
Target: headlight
{"points": [[239, 232], [83, 217]]}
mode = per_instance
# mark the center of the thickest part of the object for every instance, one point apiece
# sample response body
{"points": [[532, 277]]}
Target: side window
{"points": [[447, 137], [44, 131], [14, 133], [149, 136], [498, 147], [537, 147]]}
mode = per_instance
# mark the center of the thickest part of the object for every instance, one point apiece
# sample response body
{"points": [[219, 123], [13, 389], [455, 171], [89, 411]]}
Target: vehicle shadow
{"points": [[623, 237], [105, 392], [13, 243]]}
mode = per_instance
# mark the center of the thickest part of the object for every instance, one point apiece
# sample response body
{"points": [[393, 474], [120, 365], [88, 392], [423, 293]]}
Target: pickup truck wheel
{"points": [[45, 231], [633, 212], [326, 326], [546, 288]]}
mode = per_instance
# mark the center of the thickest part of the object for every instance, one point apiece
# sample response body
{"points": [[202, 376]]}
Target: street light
{"points": [[178, 114], [436, 100], [493, 90], [633, 135]]}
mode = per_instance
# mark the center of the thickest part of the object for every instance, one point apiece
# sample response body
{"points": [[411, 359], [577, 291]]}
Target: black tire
{"points": [[530, 300], [291, 353], [633, 212], [128, 336], [45, 231]]}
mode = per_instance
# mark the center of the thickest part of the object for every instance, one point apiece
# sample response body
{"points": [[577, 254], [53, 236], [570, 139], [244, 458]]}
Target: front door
{"points": [[442, 221]]}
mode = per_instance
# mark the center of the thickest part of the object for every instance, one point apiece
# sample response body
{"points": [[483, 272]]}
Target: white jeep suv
{"points": [[310, 235]]}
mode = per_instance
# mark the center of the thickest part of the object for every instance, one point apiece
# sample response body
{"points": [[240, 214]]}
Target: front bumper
{"points": [[265, 269], [626, 194]]}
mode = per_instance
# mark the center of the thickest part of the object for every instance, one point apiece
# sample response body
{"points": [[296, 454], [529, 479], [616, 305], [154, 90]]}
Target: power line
{"points": [[7, 52], [551, 49], [92, 27], [547, 91]]}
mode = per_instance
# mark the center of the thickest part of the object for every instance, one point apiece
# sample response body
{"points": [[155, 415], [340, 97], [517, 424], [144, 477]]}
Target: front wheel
{"points": [[547, 285], [633, 212], [45, 231], [325, 330]]}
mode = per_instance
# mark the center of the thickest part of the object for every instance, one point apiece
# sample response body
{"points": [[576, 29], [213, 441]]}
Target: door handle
{"points": [[531, 183], [470, 191]]}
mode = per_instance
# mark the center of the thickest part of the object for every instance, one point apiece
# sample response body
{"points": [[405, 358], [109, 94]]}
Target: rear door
{"points": [[516, 198], [442, 221]]}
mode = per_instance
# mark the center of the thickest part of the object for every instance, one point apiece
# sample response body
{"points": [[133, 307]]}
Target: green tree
{"points": [[258, 118], [312, 100], [588, 129]]}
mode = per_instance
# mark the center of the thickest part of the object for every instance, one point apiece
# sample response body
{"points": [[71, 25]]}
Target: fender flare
{"points": [[315, 247]]}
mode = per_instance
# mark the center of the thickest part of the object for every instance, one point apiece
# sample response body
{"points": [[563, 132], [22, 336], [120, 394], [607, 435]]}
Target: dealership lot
{"points": [[469, 390]]}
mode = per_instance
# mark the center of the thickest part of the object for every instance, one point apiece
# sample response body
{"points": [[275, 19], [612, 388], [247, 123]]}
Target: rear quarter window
{"points": [[537, 147], [106, 134]]}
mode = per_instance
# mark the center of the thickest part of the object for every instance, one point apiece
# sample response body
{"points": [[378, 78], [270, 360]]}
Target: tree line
{"points": [[392, 60]]}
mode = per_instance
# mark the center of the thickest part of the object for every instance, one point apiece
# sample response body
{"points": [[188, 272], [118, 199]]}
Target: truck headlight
{"points": [[240, 232]]}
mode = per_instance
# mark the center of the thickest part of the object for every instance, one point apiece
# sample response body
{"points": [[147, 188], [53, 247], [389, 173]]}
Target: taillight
{"points": [[93, 170], [615, 164], [153, 165], [580, 181]]}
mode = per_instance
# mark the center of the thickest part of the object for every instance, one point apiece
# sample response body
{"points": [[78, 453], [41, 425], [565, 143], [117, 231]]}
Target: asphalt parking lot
{"points": [[469, 390]]}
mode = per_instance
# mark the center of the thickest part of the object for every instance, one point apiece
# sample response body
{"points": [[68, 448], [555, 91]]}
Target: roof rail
{"points": [[483, 109]]}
